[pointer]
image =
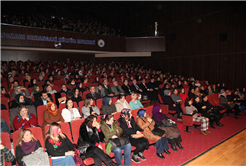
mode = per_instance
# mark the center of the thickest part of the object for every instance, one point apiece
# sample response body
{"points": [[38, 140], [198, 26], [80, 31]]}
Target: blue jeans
{"points": [[127, 154]]}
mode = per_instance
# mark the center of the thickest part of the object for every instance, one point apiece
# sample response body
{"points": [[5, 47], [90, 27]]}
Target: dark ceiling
{"points": [[105, 7]]}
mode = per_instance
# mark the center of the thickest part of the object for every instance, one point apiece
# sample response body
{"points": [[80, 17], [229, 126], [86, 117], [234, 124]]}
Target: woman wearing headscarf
{"points": [[36, 91], [148, 125], [172, 131], [108, 107], [51, 114], [18, 90], [172, 105], [20, 100], [131, 129], [33, 82]]}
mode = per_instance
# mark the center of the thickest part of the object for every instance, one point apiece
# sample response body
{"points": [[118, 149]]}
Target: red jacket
{"points": [[19, 123]]}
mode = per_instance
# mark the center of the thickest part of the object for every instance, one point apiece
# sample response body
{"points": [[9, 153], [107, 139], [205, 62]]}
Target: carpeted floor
{"points": [[194, 143]]}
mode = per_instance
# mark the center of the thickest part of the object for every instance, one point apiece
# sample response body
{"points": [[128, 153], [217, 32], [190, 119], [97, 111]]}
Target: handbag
{"points": [[167, 123], [82, 147], [119, 142], [158, 131], [77, 158]]}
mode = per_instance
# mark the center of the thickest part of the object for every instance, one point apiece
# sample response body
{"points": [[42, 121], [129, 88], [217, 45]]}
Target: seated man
{"points": [[126, 87], [116, 89], [100, 90], [108, 91], [64, 89], [43, 99], [154, 88], [135, 87], [93, 93]]}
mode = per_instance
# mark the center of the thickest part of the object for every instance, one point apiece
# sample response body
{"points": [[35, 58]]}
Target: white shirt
{"points": [[68, 115]]}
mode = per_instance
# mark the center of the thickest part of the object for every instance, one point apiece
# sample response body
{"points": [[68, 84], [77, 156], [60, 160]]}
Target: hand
{"points": [[117, 131], [97, 125], [69, 153], [93, 113], [48, 99], [77, 118], [140, 90], [149, 120], [174, 105], [114, 136], [204, 107], [100, 147], [122, 93], [111, 94], [138, 132], [1, 147]]}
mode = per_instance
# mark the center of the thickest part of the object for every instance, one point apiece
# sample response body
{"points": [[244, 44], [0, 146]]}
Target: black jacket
{"points": [[93, 139], [96, 96], [126, 89]]}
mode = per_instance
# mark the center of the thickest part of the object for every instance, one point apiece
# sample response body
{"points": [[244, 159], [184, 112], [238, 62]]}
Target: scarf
{"points": [[48, 107], [17, 98], [34, 89], [156, 112], [141, 112], [125, 114], [28, 147]]}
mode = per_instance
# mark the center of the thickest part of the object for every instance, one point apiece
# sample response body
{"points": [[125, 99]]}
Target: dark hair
{"points": [[106, 117], [74, 90], [67, 102], [89, 120], [91, 86], [203, 96], [43, 92], [121, 96], [16, 81], [62, 85], [187, 101]]}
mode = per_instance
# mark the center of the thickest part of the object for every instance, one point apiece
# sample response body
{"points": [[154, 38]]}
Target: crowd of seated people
{"points": [[71, 83], [52, 22]]}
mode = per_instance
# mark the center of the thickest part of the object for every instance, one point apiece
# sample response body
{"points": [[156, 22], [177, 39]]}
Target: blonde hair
{"points": [[132, 94], [50, 132], [21, 135]]}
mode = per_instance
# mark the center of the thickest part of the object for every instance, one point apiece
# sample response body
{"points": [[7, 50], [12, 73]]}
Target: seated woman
{"points": [[172, 105], [51, 115], [130, 128], [33, 82], [24, 119], [36, 91], [191, 110], [134, 103], [108, 107], [4, 93], [91, 133], [172, 132], [18, 90], [197, 91], [49, 90], [182, 94], [26, 144], [70, 113], [76, 96], [147, 125], [121, 103], [89, 108], [20, 100], [59, 147], [112, 130], [80, 86], [209, 111]]}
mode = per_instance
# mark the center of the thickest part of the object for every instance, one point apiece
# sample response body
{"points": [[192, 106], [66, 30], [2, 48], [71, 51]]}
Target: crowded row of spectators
{"points": [[52, 22]]}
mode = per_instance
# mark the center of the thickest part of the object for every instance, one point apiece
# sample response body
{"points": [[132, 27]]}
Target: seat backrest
{"points": [[186, 90], [161, 86], [117, 116], [160, 99], [5, 116], [81, 104], [135, 112], [114, 99], [216, 99], [210, 99], [30, 90], [85, 93], [75, 126], [4, 101], [40, 114], [55, 88], [99, 103], [128, 98], [65, 128], [149, 110], [182, 106], [6, 141], [164, 108]]}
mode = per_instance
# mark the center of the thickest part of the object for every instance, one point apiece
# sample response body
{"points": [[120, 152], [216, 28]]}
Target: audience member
{"points": [[108, 107], [93, 93], [70, 113], [121, 103], [89, 108], [116, 89], [134, 103]]}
